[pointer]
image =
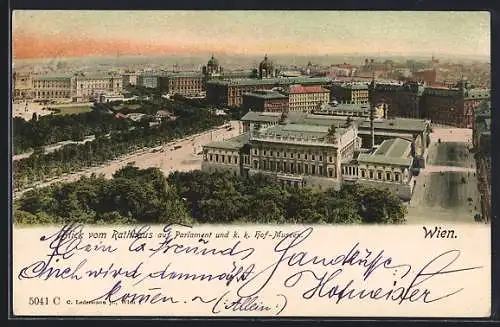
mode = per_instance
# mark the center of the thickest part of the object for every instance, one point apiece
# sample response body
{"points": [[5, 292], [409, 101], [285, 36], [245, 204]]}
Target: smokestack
{"points": [[372, 115], [372, 125]]}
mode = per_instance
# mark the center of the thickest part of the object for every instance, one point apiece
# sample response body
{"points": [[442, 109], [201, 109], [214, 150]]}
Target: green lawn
{"points": [[78, 109]]}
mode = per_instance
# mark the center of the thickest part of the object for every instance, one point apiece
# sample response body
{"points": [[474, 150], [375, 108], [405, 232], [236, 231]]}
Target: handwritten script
{"points": [[233, 272]]}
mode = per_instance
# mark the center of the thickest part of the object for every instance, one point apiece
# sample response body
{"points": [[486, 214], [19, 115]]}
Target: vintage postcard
{"points": [[251, 163]]}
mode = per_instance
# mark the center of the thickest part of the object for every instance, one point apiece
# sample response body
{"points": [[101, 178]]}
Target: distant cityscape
{"points": [[381, 123]]}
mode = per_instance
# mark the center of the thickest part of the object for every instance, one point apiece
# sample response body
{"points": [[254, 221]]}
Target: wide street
{"points": [[446, 190], [181, 155]]}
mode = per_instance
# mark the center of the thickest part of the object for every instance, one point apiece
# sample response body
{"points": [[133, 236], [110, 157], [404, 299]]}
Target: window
{"points": [[305, 156], [330, 172], [217, 158], [264, 152], [223, 159], [270, 153], [396, 177], [320, 158], [362, 173], [255, 151], [313, 170], [379, 175], [277, 154], [284, 154], [388, 176], [235, 159], [313, 157], [291, 155], [320, 170], [330, 159], [255, 164], [228, 159], [292, 168], [371, 173], [306, 168]]}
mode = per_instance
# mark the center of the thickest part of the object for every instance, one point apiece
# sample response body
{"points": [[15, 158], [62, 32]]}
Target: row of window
{"points": [[98, 85], [46, 84], [294, 168], [186, 83], [53, 94], [355, 171], [292, 155], [223, 158]]}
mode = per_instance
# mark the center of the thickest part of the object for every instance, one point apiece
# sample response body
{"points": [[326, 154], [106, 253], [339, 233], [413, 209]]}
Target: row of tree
{"points": [[40, 166], [147, 196], [221, 197], [51, 129]]}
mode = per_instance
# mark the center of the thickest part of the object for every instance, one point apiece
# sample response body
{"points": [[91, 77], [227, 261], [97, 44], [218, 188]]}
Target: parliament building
{"points": [[322, 151]]}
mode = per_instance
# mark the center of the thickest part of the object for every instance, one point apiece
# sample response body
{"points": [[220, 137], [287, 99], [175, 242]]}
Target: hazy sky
{"points": [[39, 34]]}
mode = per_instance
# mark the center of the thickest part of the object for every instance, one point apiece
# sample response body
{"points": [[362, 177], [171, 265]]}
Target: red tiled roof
{"points": [[307, 89]]}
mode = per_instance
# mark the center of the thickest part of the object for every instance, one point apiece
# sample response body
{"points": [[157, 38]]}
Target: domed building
{"points": [[212, 69], [266, 68]]}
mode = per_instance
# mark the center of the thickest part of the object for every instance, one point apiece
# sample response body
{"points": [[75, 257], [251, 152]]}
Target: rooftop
{"points": [[394, 151], [52, 76], [352, 86], [234, 143], [97, 76], [265, 117], [265, 94], [297, 133], [271, 81], [182, 74], [350, 107], [393, 124], [307, 89]]}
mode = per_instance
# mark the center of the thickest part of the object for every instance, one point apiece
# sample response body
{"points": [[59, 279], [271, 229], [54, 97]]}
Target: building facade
{"points": [[185, 83], [265, 100], [453, 106], [403, 99], [129, 79], [53, 86], [349, 93], [450, 106], [311, 151], [307, 98], [149, 80], [79, 87], [229, 93], [88, 87], [22, 87], [417, 131]]}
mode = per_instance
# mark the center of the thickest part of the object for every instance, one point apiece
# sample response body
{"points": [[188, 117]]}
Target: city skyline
{"points": [[51, 34]]}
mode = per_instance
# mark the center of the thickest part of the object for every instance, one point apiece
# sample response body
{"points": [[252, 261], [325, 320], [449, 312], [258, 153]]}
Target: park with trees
{"points": [[113, 137], [135, 196]]}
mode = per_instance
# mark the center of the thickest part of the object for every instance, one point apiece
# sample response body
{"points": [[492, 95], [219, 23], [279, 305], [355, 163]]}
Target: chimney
{"points": [[372, 126]]}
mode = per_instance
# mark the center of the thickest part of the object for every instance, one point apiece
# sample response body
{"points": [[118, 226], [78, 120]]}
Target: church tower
{"points": [[266, 68]]}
